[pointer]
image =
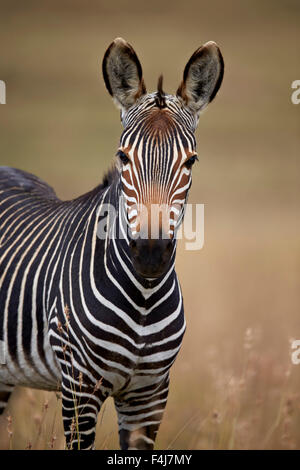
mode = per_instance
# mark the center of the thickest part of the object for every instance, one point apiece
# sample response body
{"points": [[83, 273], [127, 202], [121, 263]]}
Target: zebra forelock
{"points": [[160, 99]]}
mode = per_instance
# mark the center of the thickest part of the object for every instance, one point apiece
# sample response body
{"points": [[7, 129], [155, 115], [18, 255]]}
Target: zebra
{"points": [[91, 314]]}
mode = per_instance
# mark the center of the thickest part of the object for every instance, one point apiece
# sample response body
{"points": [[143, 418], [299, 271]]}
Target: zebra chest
{"points": [[151, 355], [119, 345], [127, 358]]}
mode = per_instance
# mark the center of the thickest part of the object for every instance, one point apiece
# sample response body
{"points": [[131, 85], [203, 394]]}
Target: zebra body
{"points": [[125, 338], [99, 316]]}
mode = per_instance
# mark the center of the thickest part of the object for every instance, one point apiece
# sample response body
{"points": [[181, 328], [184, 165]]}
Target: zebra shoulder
{"points": [[12, 177]]}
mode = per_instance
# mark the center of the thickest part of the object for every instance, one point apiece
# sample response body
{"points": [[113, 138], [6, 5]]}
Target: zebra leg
{"points": [[80, 408], [5, 392], [139, 417]]}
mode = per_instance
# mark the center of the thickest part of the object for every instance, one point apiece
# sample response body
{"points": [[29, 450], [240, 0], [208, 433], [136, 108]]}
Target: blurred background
{"points": [[233, 384]]}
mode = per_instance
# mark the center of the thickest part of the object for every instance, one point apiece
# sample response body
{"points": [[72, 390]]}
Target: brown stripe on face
{"points": [[160, 120], [137, 165], [175, 168], [126, 175], [172, 187]]}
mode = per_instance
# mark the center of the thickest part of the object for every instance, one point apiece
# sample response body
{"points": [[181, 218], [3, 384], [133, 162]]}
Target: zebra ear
{"points": [[202, 77], [123, 74]]}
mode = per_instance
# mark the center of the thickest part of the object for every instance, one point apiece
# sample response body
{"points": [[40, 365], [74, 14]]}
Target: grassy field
{"points": [[233, 384]]}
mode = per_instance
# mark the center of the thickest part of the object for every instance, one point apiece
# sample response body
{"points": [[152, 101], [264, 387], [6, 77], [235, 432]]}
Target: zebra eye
{"points": [[123, 157], [190, 162]]}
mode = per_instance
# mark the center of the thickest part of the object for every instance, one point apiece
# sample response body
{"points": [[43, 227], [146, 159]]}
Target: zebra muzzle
{"points": [[151, 257]]}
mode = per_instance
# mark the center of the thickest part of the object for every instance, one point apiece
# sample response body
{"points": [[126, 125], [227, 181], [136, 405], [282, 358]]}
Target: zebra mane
{"points": [[160, 95], [108, 177]]}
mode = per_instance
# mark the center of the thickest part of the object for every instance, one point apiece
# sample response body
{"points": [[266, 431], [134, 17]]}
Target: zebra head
{"points": [[157, 147]]}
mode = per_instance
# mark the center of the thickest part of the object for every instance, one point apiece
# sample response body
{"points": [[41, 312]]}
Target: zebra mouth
{"points": [[151, 258], [149, 274]]}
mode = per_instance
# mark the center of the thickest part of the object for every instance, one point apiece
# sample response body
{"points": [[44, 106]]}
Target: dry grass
{"points": [[256, 407], [227, 390]]}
